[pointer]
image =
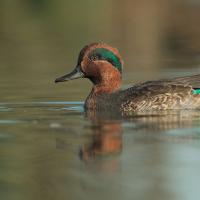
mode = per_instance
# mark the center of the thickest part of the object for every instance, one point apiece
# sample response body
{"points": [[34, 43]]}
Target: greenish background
{"points": [[49, 149], [40, 40]]}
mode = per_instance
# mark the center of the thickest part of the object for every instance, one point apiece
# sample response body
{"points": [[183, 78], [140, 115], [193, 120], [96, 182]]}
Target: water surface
{"points": [[50, 149], [53, 150]]}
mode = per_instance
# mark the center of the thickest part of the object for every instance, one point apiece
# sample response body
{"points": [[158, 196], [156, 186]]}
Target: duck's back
{"points": [[177, 93]]}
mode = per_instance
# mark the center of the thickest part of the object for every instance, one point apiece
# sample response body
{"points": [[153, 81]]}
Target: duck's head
{"points": [[100, 63]]}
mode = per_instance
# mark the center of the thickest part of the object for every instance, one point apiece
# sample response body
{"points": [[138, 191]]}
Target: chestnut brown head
{"points": [[98, 62]]}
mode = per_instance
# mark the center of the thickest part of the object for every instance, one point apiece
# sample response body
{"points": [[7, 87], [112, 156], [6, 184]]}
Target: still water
{"points": [[51, 149]]}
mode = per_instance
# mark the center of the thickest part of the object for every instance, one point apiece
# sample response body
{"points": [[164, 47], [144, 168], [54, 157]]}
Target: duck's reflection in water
{"points": [[106, 138], [160, 121]]}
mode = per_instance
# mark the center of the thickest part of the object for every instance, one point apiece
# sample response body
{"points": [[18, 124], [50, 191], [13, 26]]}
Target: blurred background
{"points": [[48, 146], [40, 40]]}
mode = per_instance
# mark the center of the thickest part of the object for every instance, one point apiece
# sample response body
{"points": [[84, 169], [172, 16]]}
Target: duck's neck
{"points": [[106, 82], [99, 92], [105, 88]]}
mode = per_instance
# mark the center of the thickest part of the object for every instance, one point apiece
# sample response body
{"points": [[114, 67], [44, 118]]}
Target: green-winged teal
{"points": [[102, 64]]}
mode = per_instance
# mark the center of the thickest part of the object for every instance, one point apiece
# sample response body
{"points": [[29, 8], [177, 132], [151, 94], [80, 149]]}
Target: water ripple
{"points": [[4, 109], [6, 121]]}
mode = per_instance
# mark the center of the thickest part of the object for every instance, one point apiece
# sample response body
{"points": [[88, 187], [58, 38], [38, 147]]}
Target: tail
{"points": [[193, 81]]}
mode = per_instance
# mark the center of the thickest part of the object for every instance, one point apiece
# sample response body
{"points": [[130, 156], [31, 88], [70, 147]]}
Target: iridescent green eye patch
{"points": [[105, 54]]}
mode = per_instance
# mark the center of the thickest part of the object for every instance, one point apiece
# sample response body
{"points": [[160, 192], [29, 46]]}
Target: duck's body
{"points": [[102, 64], [177, 93]]}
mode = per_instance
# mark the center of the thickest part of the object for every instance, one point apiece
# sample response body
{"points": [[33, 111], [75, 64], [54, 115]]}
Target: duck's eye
{"points": [[94, 57], [106, 55]]}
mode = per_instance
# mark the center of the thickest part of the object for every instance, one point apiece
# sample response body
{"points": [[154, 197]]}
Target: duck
{"points": [[102, 64]]}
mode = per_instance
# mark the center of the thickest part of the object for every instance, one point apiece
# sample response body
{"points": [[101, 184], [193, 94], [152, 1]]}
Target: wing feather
{"points": [[160, 95]]}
